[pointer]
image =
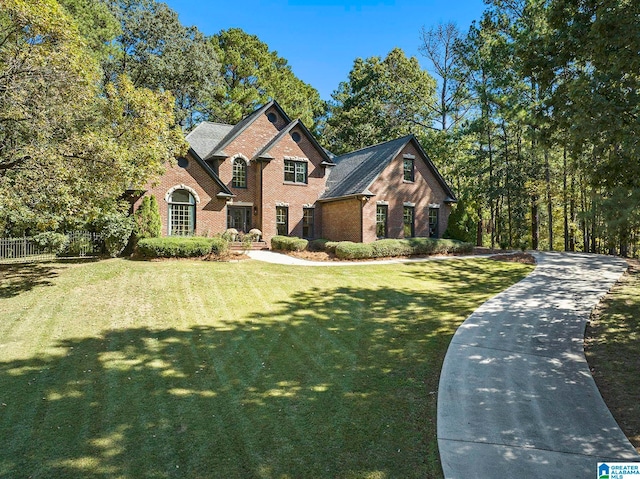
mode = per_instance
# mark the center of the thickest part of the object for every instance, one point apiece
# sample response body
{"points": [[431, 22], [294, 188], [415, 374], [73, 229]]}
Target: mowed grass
{"points": [[191, 369], [612, 348]]}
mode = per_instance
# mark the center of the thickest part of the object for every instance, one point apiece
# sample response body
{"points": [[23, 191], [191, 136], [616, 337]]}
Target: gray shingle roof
{"points": [[240, 127], [206, 136], [354, 172]]}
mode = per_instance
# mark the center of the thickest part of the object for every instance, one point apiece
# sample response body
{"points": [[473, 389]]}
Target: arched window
{"points": [[182, 213], [239, 173]]}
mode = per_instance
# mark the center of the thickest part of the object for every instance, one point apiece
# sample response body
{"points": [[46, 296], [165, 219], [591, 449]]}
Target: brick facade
{"points": [[210, 210], [343, 220], [391, 189], [264, 144]]}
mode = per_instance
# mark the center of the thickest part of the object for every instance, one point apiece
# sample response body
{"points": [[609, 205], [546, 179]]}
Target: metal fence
{"points": [[20, 250]]}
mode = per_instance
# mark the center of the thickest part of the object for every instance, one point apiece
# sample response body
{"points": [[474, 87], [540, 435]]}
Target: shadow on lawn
{"points": [[20, 278], [335, 383]]}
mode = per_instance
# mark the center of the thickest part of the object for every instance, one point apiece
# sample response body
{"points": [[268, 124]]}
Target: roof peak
{"points": [[405, 138]]}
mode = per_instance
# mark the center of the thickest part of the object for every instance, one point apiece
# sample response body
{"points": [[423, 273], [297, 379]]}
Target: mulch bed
{"points": [[524, 258], [516, 257]]}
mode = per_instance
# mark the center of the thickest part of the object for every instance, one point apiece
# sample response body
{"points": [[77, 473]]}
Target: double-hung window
{"points": [[407, 166], [381, 220], [295, 171], [433, 222], [307, 223], [408, 217], [282, 220]]}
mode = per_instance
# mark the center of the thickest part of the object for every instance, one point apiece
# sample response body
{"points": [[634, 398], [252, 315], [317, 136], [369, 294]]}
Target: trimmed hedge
{"points": [[288, 243], [318, 244], [180, 247], [330, 246], [350, 250], [391, 247], [386, 248]]}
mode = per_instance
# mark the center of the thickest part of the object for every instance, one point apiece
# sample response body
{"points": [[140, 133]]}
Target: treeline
{"points": [[533, 119], [531, 115], [553, 88]]}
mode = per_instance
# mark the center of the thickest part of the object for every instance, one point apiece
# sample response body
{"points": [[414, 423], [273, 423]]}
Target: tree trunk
{"points": [[535, 223], [565, 205], [492, 220], [535, 219], [594, 249], [583, 217], [547, 174], [508, 186], [625, 233], [498, 215], [479, 228], [572, 214]]}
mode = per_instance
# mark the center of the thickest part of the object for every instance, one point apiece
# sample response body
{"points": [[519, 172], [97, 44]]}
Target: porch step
{"points": [[256, 245]]}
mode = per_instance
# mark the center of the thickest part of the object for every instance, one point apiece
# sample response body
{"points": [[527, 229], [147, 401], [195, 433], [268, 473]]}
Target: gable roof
{"points": [[356, 171], [263, 154], [225, 192], [218, 150], [206, 136]]}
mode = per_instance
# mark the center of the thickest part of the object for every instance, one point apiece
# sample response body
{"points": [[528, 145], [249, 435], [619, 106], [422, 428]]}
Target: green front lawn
{"points": [[123, 369]]}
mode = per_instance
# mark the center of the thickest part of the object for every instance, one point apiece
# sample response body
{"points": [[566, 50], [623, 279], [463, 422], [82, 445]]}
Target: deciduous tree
{"points": [[439, 46], [69, 148]]}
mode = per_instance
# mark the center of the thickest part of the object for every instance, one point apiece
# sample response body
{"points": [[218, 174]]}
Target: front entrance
{"points": [[239, 217]]}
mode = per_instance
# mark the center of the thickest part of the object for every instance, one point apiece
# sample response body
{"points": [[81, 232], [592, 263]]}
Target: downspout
{"points": [[363, 202], [362, 220], [260, 196]]}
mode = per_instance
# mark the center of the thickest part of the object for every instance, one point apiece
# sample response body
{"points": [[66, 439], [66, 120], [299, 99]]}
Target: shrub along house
{"points": [[268, 172]]}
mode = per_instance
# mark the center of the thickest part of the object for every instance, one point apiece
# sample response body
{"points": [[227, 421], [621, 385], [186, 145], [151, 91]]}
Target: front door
{"points": [[239, 217]]}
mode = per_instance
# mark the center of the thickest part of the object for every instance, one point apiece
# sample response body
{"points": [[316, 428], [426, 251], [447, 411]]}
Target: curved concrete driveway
{"points": [[281, 258], [516, 398]]}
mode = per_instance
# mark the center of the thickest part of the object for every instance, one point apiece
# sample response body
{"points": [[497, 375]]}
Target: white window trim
{"points": [[240, 156], [434, 206], [296, 158], [167, 196]]}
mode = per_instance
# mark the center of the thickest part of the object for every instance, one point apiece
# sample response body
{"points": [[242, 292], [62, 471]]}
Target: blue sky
{"points": [[321, 38]]}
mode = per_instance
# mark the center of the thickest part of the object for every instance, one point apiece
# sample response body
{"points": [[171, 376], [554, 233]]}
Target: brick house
{"points": [[268, 172]]}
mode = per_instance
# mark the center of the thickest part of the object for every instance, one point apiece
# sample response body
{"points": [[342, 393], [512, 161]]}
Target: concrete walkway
{"points": [[280, 258], [516, 398]]}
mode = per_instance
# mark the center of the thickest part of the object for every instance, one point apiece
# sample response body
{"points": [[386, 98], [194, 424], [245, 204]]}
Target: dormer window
{"points": [[272, 117], [296, 136]]}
